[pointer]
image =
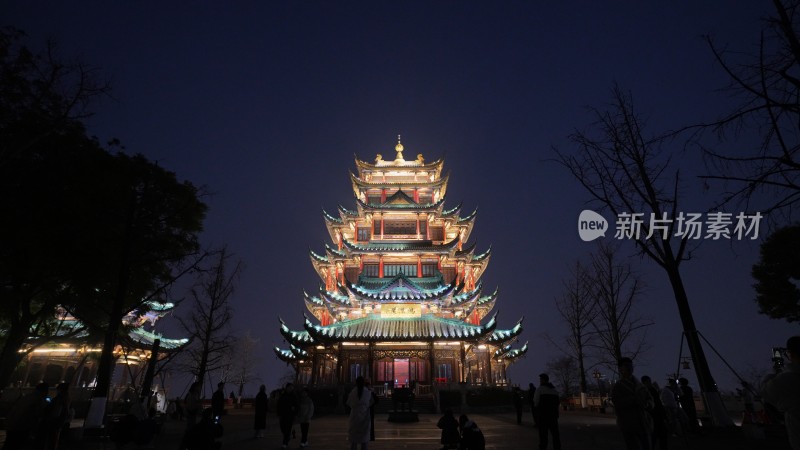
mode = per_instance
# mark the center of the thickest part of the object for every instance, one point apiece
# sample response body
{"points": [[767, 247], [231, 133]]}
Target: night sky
{"points": [[266, 103]]}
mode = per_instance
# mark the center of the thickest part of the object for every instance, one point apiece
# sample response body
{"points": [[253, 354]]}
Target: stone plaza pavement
{"points": [[579, 430]]}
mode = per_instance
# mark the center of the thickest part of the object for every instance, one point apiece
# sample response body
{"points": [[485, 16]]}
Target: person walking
{"points": [[686, 397], [287, 409], [471, 436], [631, 402], [449, 426], [261, 406], [546, 402], [218, 402], [782, 390], [305, 411], [660, 435], [531, 393], [358, 426], [518, 399]]}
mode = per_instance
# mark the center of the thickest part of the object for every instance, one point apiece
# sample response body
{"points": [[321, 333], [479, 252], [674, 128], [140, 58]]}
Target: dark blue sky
{"points": [[266, 103]]}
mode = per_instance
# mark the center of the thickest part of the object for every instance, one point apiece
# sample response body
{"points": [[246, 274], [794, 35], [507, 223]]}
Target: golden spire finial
{"points": [[399, 149]]}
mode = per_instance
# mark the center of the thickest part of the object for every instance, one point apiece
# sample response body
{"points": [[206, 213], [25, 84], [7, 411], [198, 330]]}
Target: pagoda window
{"points": [[424, 199], [391, 270], [374, 200], [376, 226], [429, 270], [385, 371], [363, 234], [371, 270], [401, 227], [437, 233], [357, 369]]}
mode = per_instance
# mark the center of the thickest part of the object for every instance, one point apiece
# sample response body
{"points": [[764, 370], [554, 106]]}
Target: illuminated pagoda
{"points": [[401, 300]]}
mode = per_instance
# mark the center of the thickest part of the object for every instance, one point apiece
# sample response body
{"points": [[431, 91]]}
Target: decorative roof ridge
{"points": [[335, 297], [464, 297], [312, 299], [399, 194], [516, 353], [367, 165], [347, 212], [149, 337], [335, 251], [467, 251], [484, 255], [320, 258], [157, 306], [331, 218], [469, 217], [452, 211], [489, 298], [358, 181]]}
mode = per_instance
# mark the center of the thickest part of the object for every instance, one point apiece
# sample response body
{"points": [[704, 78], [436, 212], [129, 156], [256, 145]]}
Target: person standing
{"points": [[358, 427], [287, 409], [660, 435], [546, 402], [518, 401], [305, 411], [449, 426], [218, 402], [631, 402], [782, 390], [471, 436], [371, 411], [261, 405], [686, 397], [531, 393]]}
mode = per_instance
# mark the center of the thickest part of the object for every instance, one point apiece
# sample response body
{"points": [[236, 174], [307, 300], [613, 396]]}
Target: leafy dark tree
{"points": [[766, 88], [777, 274], [627, 172], [48, 168], [209, 320]]}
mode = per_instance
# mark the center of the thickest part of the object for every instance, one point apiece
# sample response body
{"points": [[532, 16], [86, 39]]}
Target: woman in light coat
{"points": [[359, 401]]}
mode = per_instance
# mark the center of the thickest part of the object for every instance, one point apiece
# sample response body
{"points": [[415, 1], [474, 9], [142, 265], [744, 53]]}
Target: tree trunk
{"points": [[708, 386]]}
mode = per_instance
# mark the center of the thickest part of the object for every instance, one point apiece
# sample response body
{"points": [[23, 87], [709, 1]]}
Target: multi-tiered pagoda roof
{"points": [[400, 268]]}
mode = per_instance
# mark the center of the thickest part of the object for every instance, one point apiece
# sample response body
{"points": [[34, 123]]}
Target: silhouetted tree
{"points": [[615, 289], [577, 307], [209, 319], [766, 87], [626, 172], [564, 371]]}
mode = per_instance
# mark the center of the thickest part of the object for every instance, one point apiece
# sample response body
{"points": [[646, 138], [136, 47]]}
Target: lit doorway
{"points": [[401, 372]]}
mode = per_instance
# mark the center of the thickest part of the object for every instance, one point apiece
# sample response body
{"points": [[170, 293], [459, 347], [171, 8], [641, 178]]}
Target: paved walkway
{"points": [[579, 430]]}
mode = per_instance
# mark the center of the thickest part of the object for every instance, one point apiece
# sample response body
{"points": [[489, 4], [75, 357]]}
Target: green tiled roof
{"points": [[347, 212], [482, 256], [401, 288], [400, 206], [146, 338], [500, 336], [284, 355], [468, 296], [516, 353], [314, 256], [450, 212], [487, 299], [295, 337], [469, 217], [335, 251], [331, 218], [375, 283], [374, 328]]}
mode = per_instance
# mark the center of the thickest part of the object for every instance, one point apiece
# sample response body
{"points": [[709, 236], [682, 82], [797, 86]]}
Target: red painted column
{"points": [[341, 241], [382, 227], [360, 265], [383, 195], [416, 195], [380, 267], [417, 225], [419, 266]]}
